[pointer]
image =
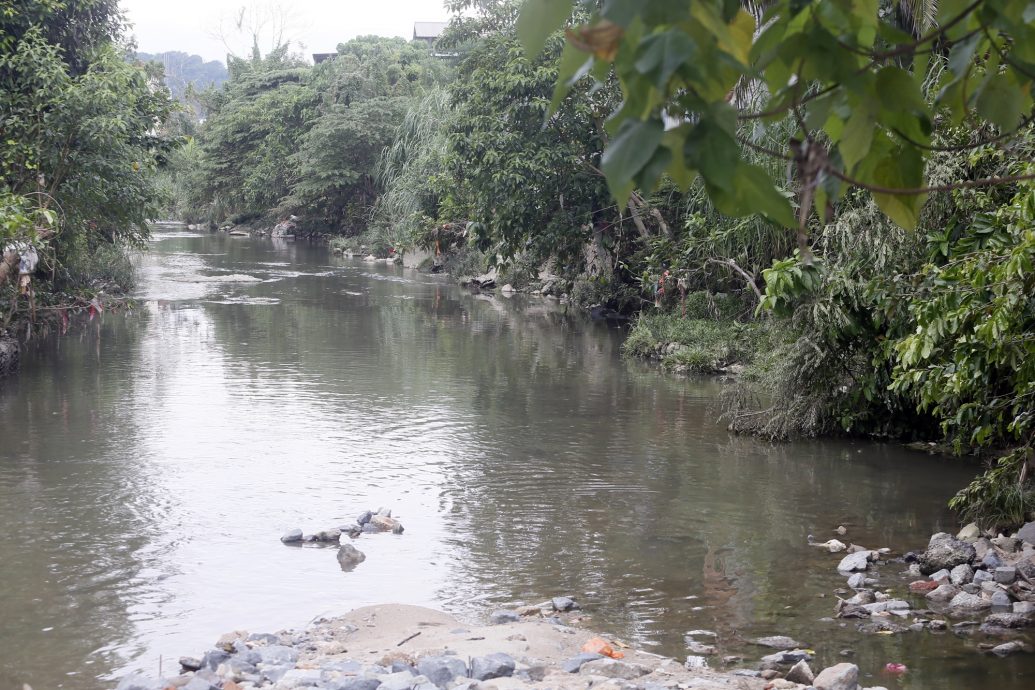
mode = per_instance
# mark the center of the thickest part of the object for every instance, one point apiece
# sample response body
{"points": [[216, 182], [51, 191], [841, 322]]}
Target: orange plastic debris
{"points": [[598, 645]]}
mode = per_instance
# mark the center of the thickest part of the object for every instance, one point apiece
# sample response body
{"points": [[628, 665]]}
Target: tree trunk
{"points": [[9, 265]]}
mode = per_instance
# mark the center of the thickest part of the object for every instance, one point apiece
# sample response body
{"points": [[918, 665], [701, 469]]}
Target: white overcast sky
{"points": [[195, 26]]}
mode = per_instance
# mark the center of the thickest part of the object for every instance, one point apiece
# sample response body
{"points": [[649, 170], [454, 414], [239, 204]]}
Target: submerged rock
{"points": [[779, 642], [859, 560], [292, 536], [349, 557]]}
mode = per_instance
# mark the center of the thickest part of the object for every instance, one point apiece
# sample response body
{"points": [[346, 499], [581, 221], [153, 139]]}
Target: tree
{"points": [[695, 75]]}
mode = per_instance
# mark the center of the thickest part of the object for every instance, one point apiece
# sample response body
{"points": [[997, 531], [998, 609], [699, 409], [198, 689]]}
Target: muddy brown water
{"points": [[151, 462]]}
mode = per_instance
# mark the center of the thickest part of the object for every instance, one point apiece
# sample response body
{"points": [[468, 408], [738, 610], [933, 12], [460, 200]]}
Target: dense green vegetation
{"points": [[835, 196], [80, 140]]}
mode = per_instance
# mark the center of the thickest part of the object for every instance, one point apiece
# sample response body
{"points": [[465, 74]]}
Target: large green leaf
{"points": [[628, 153], [539, 19], [753, 192], [664, 53], [1003, 102]]}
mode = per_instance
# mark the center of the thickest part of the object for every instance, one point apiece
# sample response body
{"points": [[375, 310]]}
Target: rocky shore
{"points": [[975, 584], [399, 647]]}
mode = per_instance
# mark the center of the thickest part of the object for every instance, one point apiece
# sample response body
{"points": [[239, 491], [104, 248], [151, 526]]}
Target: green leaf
{"points": [[1003, 102], [662, 54], [901, 168], [627, 154], [714, 153], [574, 65], [539, 19], [753, 192], [856, 137]]}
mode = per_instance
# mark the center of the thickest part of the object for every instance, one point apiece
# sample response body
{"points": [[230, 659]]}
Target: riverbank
{"points": [[401, 647]]}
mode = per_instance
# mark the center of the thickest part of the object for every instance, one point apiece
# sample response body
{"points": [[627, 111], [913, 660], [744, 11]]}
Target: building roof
{"points": [[428, 30]]}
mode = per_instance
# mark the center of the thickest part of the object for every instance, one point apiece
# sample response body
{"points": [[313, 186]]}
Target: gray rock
{"points": [[265, 638], [982, 576], [503, 616], [384, 511], [354, 684], [787, 658], [859, 560], [1008, 648], [292, 536], [612, 668], [278, 655], [399, 680], [273, 674], [497, 665], [943, 593], [1025, 608], [301, 677], [202, 683], [563, 603], [1001, 599], [440, 670], [190, 663], [857, 581], [332, 534], [213, 658], [779, 642], [863, 596], [837, 677], [801, 673], [964, 600], [1026, 533], [349, 557], [991, 561], [138, 681], [942, 574], [700, 648], [695, 663], [961, 574], [1005, 575], [364, 518], [573, 664], [237, 669], [1007, 544], [969, 533], [746, 672], [945, 552], [352, 530], [891, 605]]}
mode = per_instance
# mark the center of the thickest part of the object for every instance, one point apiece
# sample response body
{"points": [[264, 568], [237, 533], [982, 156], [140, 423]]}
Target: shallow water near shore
{"points": [[152, 460]]}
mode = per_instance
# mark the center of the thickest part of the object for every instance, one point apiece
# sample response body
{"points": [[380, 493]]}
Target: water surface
{"points": [[152, 460]]}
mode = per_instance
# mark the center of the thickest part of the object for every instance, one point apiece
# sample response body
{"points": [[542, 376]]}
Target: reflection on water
{"points": [[152, 461]]}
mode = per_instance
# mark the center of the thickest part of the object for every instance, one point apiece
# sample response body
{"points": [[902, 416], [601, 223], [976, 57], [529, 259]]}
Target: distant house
{"points": [[320, 57], [428, 31]]}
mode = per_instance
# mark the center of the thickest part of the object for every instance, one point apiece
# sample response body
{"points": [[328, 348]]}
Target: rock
{"points": [[278, 655], [573, 664], [497, 665], [502, 616], [991, 561], [265, 638], [982, 576], [969, 533], [292, 536], [355, 684], [213, 658], [364, 518], [857, 581], [1005, 575], [779, 642], [945, 552], [891, 605], [138, 681], [961, 574], [943, 593], [202, 683], [859, 560], [1001, 599], [831, 545], [384, 523], [190, 663], [1026, 533], [695, 663], [942, 575], [801, 673], [563, 603], [1026, 568], [981, 548], [837, 677], [746, 672], [440, 670], [507, 289], [333, 534], [964, 600], [1008, 648], [399, 680], [1010, 620], [923, 586], [841, 530], [300, 677], [1007, 544], [787, 658], [700, 648], [352, 530], [863, 596], [1025, 608], [349, 557], [613, 668], [769, 674]]}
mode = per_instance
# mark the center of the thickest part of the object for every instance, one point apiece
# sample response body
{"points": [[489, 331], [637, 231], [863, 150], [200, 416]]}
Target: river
{"points": [[152, 460]]}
